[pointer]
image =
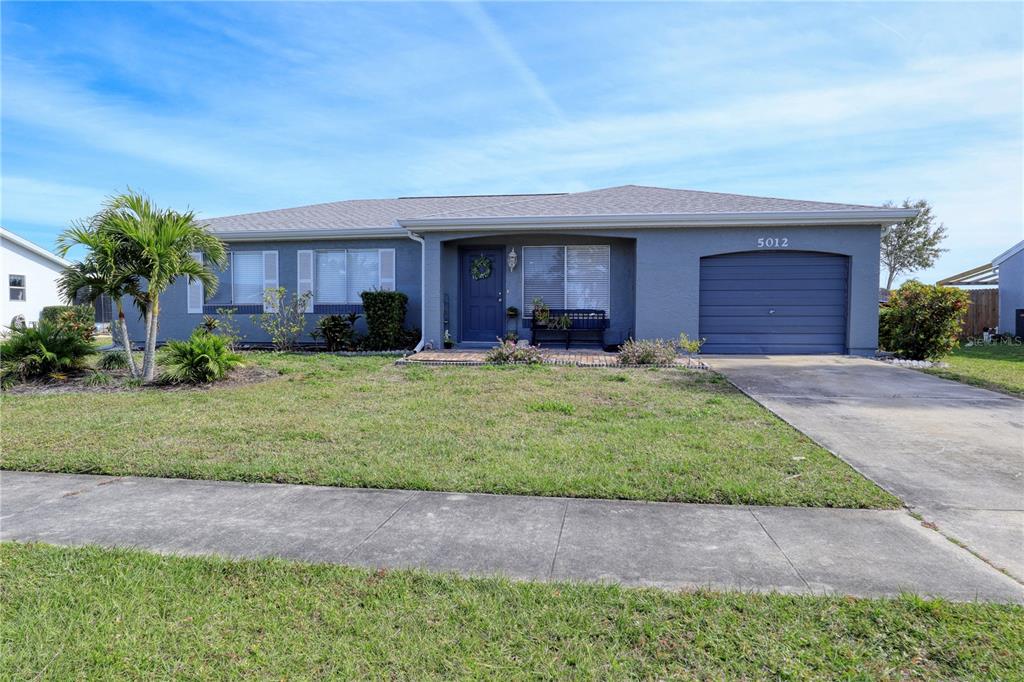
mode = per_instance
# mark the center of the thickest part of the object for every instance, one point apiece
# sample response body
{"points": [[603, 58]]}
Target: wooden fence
{"points": [[983, 312]]}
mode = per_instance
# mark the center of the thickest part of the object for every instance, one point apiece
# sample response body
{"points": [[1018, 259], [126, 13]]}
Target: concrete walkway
{"points": [[951, 452], [856, 552]]}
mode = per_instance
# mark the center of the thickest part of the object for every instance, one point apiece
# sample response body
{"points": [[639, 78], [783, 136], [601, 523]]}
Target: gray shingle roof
{"points": [[355, 213], [624, 200]]}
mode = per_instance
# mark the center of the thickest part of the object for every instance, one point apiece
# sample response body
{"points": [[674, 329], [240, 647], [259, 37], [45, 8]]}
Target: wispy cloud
{"points": [[265, 105], [499, 42]]}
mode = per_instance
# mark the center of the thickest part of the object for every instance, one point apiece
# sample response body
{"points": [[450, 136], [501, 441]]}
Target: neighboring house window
{"points": [[342, 275], [567, 276], [17, 287], [247, 277]]}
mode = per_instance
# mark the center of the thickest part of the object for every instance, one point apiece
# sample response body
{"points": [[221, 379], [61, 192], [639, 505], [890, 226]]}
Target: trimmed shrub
{"points": [[47, 350], [385, 319], [201, 359], [922, 321], [78, 319], [648, 352], [508, 353], [337, 331]]}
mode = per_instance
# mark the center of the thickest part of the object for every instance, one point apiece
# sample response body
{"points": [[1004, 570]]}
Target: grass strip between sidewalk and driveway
{"points": [[91, 613], [996, 366], [658, 434]]}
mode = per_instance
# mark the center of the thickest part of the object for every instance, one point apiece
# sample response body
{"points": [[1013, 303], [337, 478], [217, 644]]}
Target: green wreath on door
{"points": [[481, 267]]}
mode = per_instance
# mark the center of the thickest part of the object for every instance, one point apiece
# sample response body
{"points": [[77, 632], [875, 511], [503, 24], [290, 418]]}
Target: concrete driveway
{"points": [[951, 452]]}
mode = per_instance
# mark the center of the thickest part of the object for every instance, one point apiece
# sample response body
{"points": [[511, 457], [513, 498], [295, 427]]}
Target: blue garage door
{"points": [[773, 302]]}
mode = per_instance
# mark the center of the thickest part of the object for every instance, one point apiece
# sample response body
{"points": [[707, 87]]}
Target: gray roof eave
{"points": [[648, 220], [1009, 253]]}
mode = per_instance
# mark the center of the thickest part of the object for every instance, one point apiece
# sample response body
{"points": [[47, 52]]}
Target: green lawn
{"points": [[664, 434], [90, 613], [999, 367]]}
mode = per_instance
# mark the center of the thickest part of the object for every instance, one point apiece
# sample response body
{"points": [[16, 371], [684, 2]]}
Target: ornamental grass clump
{"points": [[648, 352], [202, 359], [509, 353]]}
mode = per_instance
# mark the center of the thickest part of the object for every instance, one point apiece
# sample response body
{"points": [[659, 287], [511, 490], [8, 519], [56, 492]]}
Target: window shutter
{"points": [[269, 278], [305, 283], [587, 277], [387, 269], [543, 276], [195, 289]]}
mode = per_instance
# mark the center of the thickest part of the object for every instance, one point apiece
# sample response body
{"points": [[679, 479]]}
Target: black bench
{"points": [[583, 323]]}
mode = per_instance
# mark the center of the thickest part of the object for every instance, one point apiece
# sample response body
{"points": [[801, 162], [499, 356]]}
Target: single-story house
{"points": [[749, 274], [1009, 266], [30, 274]]}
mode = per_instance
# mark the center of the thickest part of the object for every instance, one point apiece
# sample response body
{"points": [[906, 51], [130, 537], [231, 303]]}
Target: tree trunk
{"points": [[888, 282], [122, 326], [149, 357]]}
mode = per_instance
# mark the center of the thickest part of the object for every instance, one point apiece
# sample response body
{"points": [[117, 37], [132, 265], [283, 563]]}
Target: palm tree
{"points": [[155, 246], [100, 273]]}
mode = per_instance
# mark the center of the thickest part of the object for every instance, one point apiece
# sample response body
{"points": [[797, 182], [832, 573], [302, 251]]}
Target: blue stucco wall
{"points": [[622, 277], [655, 276], [177, 323], [1011, 291], [666, 288]]}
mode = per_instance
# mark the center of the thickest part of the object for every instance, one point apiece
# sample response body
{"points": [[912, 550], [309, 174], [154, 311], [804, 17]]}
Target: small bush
{"points": [[48, 350], [337, 331], [84, 313], [224, 326], [508, 353], [648, 352], [209, 324], [283, 320], [116, 359], [385, 319], [201, 359], [922, 321], [77, 319]]}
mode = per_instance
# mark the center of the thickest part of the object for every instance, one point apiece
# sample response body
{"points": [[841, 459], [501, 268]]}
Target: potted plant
{"points": [[541, 312], [563, 323], [512, 336], [512, 312], [448, 341]]}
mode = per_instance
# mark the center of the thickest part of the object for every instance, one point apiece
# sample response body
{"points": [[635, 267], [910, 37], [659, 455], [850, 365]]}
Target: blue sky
{"points": [[237, 107]]}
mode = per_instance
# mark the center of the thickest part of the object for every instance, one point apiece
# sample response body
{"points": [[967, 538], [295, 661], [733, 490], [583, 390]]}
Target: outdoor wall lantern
{"points": [[512, 259]]}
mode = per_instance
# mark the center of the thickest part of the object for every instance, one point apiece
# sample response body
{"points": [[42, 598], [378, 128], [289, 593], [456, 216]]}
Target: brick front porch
{"points": [[582, 357]]}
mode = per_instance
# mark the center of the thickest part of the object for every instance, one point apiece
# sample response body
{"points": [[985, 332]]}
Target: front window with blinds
{"points": [[341, 276], [247, 278], [567, 276]]}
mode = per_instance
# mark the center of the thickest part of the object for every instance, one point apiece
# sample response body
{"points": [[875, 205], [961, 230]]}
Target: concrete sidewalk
{"points": [[953, 453], [799, 550]]}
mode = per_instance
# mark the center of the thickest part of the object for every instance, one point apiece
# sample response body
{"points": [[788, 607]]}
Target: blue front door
{"points": [[483, 286]]}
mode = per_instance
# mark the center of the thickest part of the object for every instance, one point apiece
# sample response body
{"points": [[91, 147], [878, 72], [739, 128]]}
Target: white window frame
{"points": [[565, 275], [381, 254], [23, 287]]}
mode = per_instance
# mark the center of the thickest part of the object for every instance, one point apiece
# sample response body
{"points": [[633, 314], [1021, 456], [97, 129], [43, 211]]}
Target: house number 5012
{"points": [[772, 242]]}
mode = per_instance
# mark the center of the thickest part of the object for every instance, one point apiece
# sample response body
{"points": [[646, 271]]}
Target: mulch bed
{"points": [[241, 376]]}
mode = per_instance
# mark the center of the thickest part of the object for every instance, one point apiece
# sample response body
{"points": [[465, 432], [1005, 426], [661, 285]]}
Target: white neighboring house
{"points": [[28, 274]]}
